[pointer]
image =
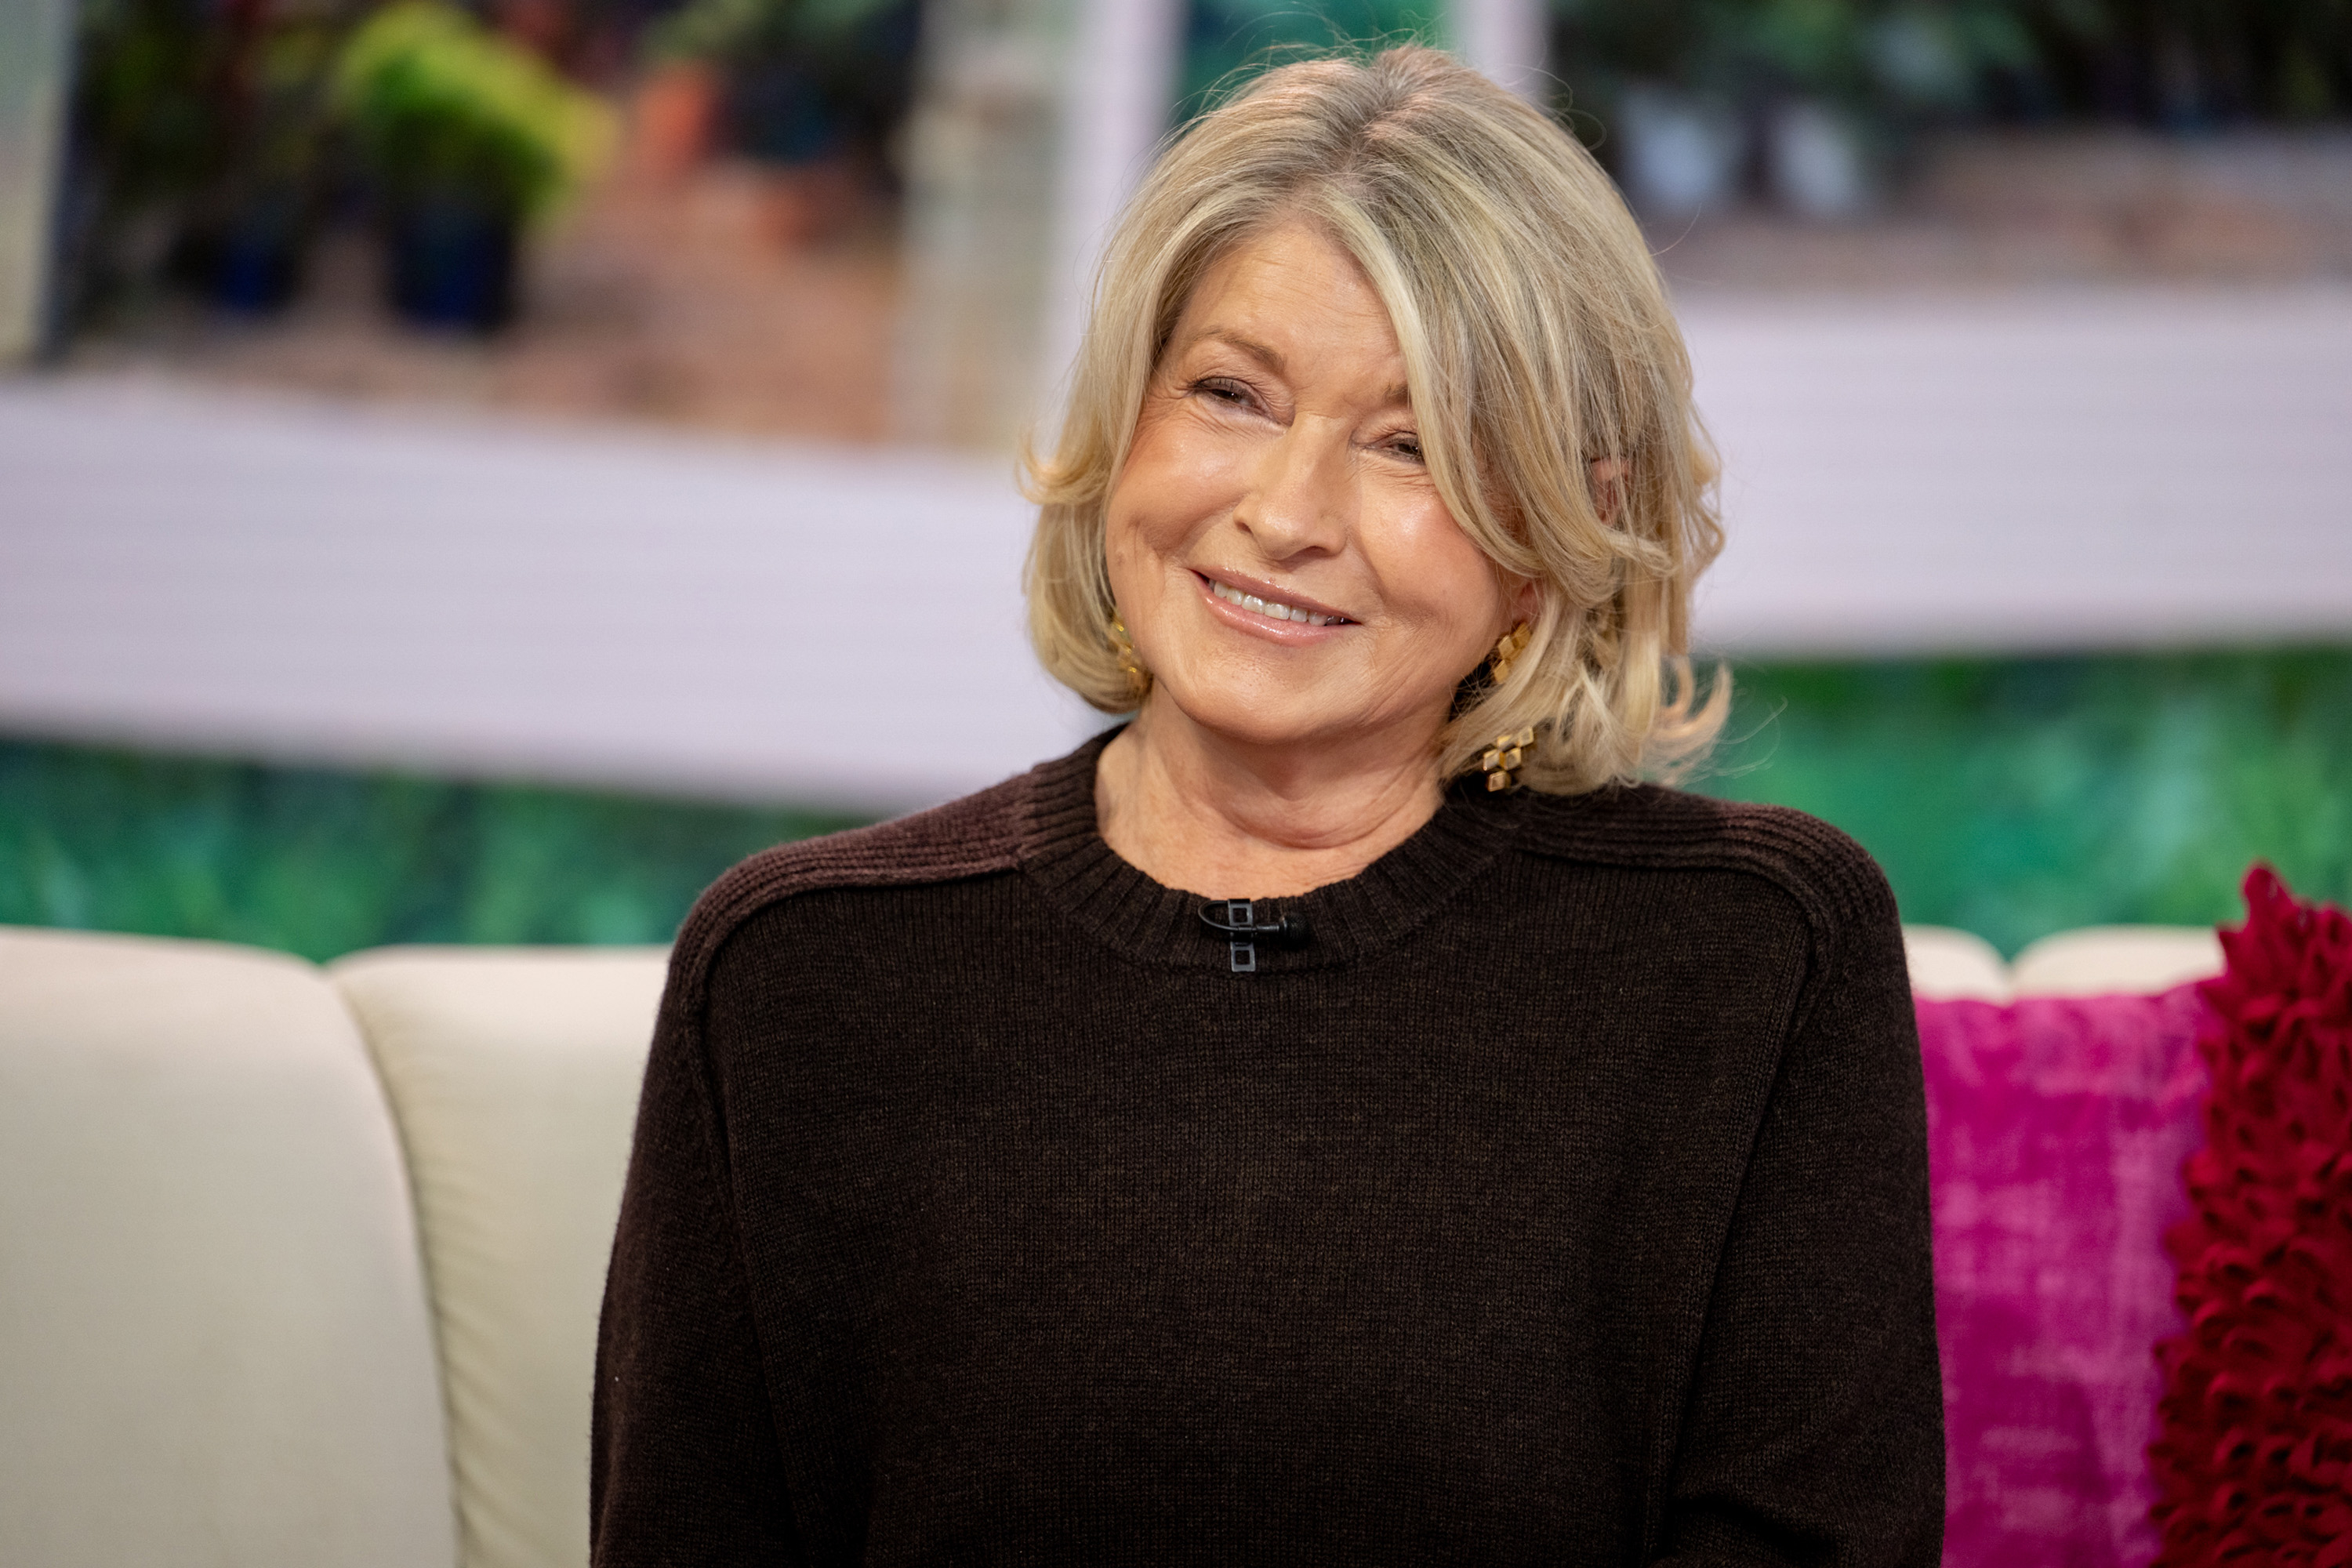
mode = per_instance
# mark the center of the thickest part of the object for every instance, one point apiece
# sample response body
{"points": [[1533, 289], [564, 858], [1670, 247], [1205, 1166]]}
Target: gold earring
{"points": [[1139, 680], [1514, 643], [1506, 753]]}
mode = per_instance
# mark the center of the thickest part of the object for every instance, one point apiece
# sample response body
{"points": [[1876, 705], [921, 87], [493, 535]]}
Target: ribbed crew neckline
{"points": [[1064, 856]]}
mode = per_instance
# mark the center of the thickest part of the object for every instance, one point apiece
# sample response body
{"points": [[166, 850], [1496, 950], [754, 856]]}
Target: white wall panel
{"points": [[2037, 472], [253, 575]]}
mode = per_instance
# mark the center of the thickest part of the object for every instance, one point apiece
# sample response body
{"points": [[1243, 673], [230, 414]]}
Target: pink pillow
{"points": [[2056, 1132]]}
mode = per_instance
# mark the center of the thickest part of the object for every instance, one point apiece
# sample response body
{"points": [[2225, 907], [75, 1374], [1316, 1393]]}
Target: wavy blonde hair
{"points": [[1536, 341]]}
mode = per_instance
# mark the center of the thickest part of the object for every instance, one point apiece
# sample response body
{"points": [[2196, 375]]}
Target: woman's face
{"points": [[1278, 552]]}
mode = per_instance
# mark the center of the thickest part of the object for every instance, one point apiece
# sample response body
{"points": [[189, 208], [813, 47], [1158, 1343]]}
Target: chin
{"points": [[1259, 717]]}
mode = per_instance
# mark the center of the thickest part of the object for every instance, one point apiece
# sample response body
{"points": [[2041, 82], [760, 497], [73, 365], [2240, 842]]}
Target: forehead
{"points": [[1294, 289]]}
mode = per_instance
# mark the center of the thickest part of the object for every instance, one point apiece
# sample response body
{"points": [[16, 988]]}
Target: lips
{"points": [[1247, 597]]}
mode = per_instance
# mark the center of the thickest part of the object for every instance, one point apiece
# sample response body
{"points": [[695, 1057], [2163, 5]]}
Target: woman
{"points": [[1338, 1116]]}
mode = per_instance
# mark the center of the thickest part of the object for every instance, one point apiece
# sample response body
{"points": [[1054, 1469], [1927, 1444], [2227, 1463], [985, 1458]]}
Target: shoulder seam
{"points": [[977, 835], [1839, 890], [1831, 878]]}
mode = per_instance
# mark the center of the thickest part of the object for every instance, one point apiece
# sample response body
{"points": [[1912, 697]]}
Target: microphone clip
{"points": [[1236, 920]]}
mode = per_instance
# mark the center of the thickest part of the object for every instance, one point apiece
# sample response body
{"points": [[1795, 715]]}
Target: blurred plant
{"points": [[147, 135], [199, 148], [467, 135], [1814, 102], [2190, 63], [248, 243], [1938, 60], [802, 80], [322, 863], [720, 31], [444, 108], [1229, 41], [1881, 57], [2016, 797], [1899, 64], [145, 115]]}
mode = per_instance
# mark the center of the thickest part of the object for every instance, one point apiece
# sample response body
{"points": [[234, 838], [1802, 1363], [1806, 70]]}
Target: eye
{"points": [[1222, 389], [1406, 445]]}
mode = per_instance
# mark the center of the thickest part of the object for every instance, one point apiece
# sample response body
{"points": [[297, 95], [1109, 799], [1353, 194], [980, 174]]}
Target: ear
{"points": [[1523, 599], [1608, 476]]}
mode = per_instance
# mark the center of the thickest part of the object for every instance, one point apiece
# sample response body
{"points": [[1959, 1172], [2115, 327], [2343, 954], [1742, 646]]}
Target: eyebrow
{"points": [[1270, 357], [1265, 353]]}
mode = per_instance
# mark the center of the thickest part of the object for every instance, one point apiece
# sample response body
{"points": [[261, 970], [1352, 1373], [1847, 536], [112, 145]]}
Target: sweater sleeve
{"points": [[684, 1464], [1814, 1429]]}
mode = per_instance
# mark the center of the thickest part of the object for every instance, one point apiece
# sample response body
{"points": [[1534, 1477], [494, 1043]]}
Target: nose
{"points": [[1301, 496]]}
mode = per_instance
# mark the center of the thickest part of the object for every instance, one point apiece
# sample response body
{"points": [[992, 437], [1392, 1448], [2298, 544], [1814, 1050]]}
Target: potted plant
{"points": [[150, 134], [249, 243], [808, 90], [468, 136], [1804, 99]]}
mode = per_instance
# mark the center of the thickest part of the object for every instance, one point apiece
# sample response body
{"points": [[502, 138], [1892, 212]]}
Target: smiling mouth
{"points": [[1271, 609]]}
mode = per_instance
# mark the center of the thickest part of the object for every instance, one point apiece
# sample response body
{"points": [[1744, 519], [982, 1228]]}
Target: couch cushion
{"points": [[213, 1340], [514, 1075], [2105, 961]]}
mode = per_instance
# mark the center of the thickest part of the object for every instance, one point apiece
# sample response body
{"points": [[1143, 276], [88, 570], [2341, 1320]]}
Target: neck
{"points": [[1203, 812]]}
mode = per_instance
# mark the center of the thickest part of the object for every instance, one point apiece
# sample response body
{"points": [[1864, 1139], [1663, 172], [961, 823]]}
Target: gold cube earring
{"points": [[1122, 647], [1514, 643], [1505, 755]]}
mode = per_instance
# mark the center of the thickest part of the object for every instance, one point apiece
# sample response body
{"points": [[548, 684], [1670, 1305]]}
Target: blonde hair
{"points": [[1536, 341]]}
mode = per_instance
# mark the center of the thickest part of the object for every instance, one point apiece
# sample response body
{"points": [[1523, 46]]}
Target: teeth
{"points": [[1256, 605]]}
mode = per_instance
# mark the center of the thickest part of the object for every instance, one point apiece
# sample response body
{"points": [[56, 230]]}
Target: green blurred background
{"points": [[2010, 797]]}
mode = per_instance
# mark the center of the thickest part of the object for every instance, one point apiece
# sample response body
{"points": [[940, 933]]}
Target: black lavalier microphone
{"points": [[1236, 920]]}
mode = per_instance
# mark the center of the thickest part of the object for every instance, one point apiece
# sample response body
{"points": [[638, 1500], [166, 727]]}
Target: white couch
{"points": [[299, 1267]]}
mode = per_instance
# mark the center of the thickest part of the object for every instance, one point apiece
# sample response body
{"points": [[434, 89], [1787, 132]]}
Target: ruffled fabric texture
{"points": [[2253, 1462], [2056, 1130]]}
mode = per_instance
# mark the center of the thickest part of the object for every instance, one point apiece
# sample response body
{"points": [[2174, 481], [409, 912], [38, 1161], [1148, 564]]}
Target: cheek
{"points": [[1133, 525], [1143, 529], [1127, 557], [1438, 576], [1179, 479]]}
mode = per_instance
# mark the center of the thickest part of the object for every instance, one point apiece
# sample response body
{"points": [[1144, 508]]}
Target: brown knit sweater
{"points": [[1563, 1199]]}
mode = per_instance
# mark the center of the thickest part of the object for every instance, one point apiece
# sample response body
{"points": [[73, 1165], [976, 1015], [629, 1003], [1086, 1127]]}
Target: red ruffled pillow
{"points": [[2254, 1459]]}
